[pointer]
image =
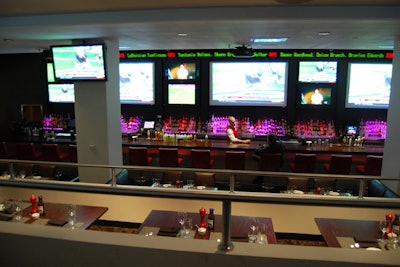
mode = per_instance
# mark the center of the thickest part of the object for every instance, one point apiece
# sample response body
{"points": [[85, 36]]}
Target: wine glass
{"points": [[383, 229], [187, 227], [181, 215], [254, 224]]}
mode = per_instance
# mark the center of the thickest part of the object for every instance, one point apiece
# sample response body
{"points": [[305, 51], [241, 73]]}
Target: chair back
{"points": [[373, 165], [26, 167], [139, 156], [327, 184], [201, 158], [304, 163], [168, 157], [73, 153], [170, 177], [340, 164], [299, 183], [4, 152], [46, 170], [270, 162], [51, 152], [235, 160], [27, 151], [204, 179]]}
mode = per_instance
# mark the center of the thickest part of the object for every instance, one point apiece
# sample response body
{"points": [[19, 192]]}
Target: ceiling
{"points": [[28, 26]]}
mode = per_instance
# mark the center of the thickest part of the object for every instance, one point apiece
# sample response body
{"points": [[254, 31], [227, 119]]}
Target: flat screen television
{"points": [[61, 93], [183, 94], [148, 125], [351, 130], [84, 62], [248, 83], [50, 73], [317, 71], [315, 94], [181, 71], [368, 85], [136, 82]]}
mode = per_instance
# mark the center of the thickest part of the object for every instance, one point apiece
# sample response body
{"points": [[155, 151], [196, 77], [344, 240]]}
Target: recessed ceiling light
{"points": [[182, 34], [324, 33], [269, 40]]}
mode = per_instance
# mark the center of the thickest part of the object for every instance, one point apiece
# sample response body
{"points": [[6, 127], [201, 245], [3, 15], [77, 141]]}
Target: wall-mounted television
{"points": [[181, 71], [136, 82], [61, 93], [183, 94], [248, 83], [315, 94], [368, 85], [84, 62], [351, 130], [318, 71]]}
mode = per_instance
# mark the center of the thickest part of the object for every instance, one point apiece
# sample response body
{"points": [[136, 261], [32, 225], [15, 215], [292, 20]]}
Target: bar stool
{"points": [[235, 160], [73, 153], [52, 152], [168, 157], [372, 166], [27, 151], [5, 153], [339, 164], [270, 162], [304, 163], [201, 158], [139, 156]]}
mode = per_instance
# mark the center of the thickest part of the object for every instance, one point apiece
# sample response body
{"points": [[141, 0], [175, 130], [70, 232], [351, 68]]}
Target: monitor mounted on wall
{"points": [[315, 94], [317, 71], [181, 70], [84, 62]]}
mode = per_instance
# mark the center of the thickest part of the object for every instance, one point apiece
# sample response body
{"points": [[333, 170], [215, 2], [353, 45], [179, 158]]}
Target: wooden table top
{"points": [[239, 224], [86, 215], [358, 229]]}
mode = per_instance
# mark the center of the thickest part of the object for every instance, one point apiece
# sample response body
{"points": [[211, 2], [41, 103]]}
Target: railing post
{"points": [[113, 178], [226, 243], [11, 170], [361, 189], [231, 183]]}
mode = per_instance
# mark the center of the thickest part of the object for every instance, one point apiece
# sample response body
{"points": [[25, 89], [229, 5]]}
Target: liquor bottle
{"points": [[396, 225], [211, 219], [41, 209]]}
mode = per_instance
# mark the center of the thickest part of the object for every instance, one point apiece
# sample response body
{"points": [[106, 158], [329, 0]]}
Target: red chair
{"points": [[73, 153], [27, 151], [339, 164], [304, 163], [5, 153], [270, 162], [52, 152], [168, 157], [201, 158], [139, 156], [235, 160], [372, 166]]}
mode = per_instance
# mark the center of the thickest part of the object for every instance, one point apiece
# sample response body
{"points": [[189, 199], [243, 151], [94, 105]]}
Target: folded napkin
{"points": [[56, 222], [168, 231]]}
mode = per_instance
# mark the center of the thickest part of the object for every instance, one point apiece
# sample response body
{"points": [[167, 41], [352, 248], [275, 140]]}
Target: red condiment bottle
{"points": [[389, 220], [202, 217], [34, 204]]}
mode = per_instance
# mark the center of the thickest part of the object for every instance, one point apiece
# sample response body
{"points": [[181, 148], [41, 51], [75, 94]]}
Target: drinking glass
{"points": [[72, 216], [181, 215], [254, 224], [22, 174], [383, 229], [187, 227], [261, 239], [17, 211], [190, 183]]}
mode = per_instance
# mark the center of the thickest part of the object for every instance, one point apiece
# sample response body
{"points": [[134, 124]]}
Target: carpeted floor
{"points": [[282, 238]]}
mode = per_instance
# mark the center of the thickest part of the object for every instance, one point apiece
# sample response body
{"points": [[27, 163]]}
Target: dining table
{"points": [[364, 232], [239, 225]]}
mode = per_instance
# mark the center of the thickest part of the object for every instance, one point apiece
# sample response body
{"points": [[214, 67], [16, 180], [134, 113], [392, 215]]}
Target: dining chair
{"points": [[204, 179], [299, 183], [73, 153], [52, 152], [235, 160], [27, 168], [372, 166], [27, 151], [304, 163], [270, 162], [139, 156], [325, 183], [170, 177], [168, 157], [201, 158], [339, 164], [48, 171], [5, 153]]}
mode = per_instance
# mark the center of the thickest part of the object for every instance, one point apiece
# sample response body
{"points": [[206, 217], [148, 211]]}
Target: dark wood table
{"points": [[239, 224], [358, 229], [86, 215]]}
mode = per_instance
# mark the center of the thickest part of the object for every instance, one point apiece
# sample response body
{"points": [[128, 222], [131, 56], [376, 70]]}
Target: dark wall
{"points": [[24, 81]]}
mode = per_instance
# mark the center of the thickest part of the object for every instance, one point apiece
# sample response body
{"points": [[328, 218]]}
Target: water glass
{"points": [[187, 227], [261, 238], [71, 213], [190, 183], [17, 211], [253, 224]]}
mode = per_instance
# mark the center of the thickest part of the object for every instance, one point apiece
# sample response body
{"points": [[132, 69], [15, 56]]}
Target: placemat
{"points": [[43, 221]]}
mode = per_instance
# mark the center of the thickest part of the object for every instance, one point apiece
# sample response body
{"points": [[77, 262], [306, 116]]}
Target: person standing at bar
{"points": [[233, 134]]}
